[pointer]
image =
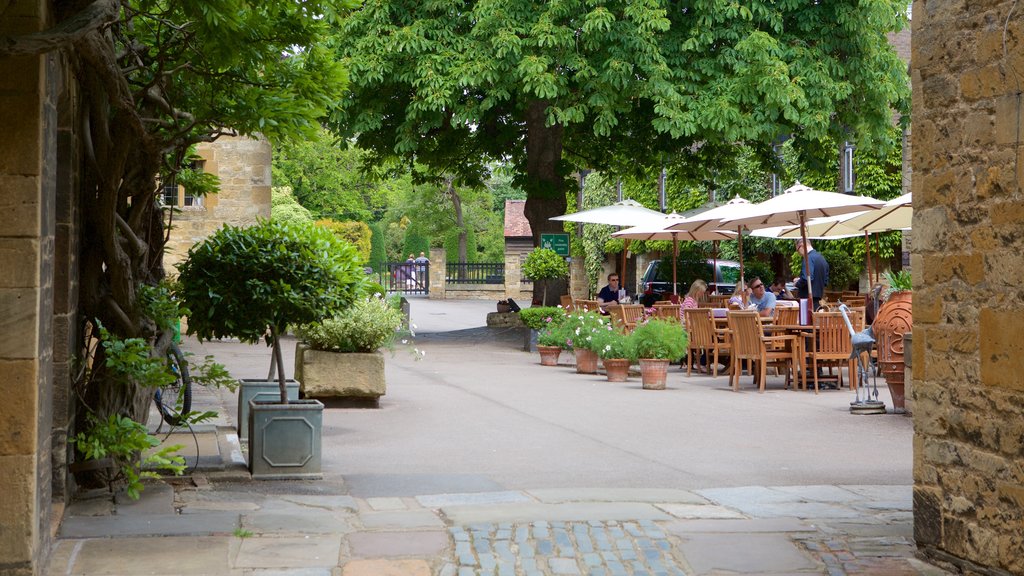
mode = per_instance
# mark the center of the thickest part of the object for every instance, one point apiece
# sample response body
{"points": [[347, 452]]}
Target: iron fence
{"points": [[406, 277], [475, 273]]}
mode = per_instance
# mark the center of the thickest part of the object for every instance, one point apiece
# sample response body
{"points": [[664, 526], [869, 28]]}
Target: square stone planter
{"points": [[339, 374], [261, 390], [285, 439]]}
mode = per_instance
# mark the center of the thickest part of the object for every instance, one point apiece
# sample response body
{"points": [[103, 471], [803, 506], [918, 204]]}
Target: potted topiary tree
{"points": [[655, 343], [251, 283], [543, 265], [340, 357]]}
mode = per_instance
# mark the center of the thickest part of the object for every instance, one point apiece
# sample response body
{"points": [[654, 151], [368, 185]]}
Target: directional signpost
{"points": [[557, 242]]}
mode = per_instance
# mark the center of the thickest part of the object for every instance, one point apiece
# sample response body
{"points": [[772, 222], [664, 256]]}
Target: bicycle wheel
{"points": [[180, 390]]}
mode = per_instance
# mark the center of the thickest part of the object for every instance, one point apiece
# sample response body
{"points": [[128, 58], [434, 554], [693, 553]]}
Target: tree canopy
{"points": [[615, 84]]}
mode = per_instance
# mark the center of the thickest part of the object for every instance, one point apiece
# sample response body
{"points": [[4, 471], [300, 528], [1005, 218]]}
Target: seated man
{"points": [[609, 295], [761, 297]]}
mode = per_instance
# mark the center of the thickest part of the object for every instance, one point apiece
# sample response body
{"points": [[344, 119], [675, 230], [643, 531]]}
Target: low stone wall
{"points": [[484, 292]]}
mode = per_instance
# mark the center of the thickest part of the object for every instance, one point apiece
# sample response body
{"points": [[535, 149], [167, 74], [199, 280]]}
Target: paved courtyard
{"points": [[481, 461]]}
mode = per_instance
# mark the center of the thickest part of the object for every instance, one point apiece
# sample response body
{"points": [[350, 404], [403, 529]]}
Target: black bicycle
{"points": [[178, 393]]}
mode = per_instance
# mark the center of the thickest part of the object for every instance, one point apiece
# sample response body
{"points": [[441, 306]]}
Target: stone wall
{"points": [[30, 88], [243, 166], [968, 261]]}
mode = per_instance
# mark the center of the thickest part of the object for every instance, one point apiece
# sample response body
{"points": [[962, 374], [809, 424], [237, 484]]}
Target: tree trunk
{"points": [[459, 223], [545, 191]]}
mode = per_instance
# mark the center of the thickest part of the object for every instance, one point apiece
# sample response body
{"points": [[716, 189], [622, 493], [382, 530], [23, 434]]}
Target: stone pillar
{"points": [[513, 274], [968, 261], [438, 266], [29, 87], [578, 285]]}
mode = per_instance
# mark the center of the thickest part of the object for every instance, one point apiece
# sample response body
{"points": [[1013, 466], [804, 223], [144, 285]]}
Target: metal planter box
{"points": [[261, 390], [285, 439]]}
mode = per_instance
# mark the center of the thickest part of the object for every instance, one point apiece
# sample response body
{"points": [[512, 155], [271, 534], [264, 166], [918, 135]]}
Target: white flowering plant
{"points": [[580, 330], [612, 343], [368, 325]]}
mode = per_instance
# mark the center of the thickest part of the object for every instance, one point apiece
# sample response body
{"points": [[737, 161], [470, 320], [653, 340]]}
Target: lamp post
{"points": [[846, 168]]}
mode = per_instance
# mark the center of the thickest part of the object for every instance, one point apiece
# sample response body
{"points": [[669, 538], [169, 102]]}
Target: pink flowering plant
{"points": [[581, 328]]}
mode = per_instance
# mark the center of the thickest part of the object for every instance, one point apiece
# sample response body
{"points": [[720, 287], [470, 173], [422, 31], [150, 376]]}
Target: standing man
{"points": [[761, 297], [819, 273]]}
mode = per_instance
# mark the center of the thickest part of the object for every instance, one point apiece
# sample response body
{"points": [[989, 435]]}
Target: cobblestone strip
{"points": [[595, 548], [864, 556]]}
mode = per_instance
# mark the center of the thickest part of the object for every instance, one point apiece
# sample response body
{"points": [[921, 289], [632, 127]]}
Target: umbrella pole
{"points": [[739, 236], [622, 275], [878, 250], [867, 256], [715, 265], [807, 267], [675, 258]]}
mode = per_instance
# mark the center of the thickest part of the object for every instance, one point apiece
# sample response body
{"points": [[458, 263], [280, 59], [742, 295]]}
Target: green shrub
{"points": [[543, 265], [366, 326], [540, 317], [658, 338], [899, 281], [355, 233], [843, 269], [580, 328]]}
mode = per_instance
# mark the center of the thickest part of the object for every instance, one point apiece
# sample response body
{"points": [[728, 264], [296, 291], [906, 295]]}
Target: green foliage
{"points": [[355, 233], [899, 281], [158, 304], [756, 269], [125, 442], [128, 362], [596, 239], [611, 343], [367, 325], [691, 265], [329, 179], [378, 253], [660, 339], [539, 317], [544, 264], [551, 335], [284, 207], [843, 270], [242, 533]]}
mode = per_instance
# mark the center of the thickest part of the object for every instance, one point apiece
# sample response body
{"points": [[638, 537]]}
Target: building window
{"points": [[174, 195]]}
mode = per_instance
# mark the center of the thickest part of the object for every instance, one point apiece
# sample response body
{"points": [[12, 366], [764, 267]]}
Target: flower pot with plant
{"points": [[549, 332], [251, 283], [656, 343], [340, 357], [544, 265], [615, 350], [536, 319], [895, 318], [581, 330]]}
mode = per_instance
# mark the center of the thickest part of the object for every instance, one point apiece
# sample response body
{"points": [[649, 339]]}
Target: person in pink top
{"points": [[692, 300]]}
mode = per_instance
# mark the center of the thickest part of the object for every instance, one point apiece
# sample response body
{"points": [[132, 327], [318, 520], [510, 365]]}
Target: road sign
{"points": [[557, 242]]}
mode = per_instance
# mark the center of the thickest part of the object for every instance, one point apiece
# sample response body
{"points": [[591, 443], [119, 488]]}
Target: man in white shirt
{"points": [[761, 297]]}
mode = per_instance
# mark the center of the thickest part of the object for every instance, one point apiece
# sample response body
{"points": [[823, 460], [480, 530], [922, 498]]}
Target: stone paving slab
{"points": [[556, 496], [400, 519], [304, 522], [764, 525], [288, 552], [392, 544], [472, 499], [156, 498], [151, 525], [700, 511], [386, 568], [745, 553], [581, 511], [161, 557]]}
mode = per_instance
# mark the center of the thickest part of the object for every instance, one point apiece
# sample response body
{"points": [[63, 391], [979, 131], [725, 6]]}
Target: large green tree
{"points": [[154, 78], [618, 84]]}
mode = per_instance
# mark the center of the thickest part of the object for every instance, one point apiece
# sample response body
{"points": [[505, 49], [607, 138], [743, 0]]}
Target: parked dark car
{"points": [[726, 274]]}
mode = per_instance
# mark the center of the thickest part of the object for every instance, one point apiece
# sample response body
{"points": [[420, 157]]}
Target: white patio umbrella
{"points": [[623, 213], [662, 231], [896, 214], [714, 219], [798, 204]]}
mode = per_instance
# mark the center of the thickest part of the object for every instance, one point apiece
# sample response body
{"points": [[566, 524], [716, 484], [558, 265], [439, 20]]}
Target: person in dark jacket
{"points": [[819, 273]]}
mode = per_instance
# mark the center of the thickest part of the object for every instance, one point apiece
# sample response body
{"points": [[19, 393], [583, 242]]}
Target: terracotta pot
{"points": [[893, 321], [586, 361], [617, 369], [653, 372], [549, 355], [504, 308]]}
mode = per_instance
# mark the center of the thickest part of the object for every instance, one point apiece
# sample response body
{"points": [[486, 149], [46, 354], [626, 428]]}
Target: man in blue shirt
{"points": [[819, 274], [761, 297]]}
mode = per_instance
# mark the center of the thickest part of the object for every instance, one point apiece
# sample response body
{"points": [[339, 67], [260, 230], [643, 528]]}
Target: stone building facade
{"points": [[968, 262], [243, 166]]}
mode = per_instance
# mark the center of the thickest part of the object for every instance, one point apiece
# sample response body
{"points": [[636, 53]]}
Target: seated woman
{"points": [[736, 300], [692, 300]]}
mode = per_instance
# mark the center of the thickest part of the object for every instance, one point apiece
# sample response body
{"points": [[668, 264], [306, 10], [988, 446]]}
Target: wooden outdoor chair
{"points": [[750, 343], [667, 311], [587, 305], [618, 319], [632, 314], [831, 347], [786, 315], [566, 302], [704, 338]]}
